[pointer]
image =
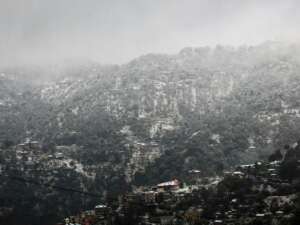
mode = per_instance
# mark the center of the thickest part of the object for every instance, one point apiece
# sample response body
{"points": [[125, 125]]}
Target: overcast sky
{"points": [[116, 31]]}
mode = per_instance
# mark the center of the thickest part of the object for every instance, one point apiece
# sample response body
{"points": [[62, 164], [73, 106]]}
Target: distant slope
{"points": [[207, 107]]}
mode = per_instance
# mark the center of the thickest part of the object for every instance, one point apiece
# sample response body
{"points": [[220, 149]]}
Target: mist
{"points": [[109, 31]]}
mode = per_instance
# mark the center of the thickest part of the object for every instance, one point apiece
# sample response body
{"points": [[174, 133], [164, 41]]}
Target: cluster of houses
{"points": [[263, 197], [100, 215], [260, 197], [31, 156], [30, 150], [253, 192]]}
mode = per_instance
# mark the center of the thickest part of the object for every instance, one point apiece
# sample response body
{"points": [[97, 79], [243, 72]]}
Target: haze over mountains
{"points": [[35, 32], [156, 117]]}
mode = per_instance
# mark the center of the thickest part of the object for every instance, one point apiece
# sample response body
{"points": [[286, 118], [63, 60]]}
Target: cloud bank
{"points": [[115, 31]]}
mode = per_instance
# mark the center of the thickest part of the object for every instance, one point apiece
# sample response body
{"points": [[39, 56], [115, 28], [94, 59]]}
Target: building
{"points": [[59, 155], [169, 185], [103, 215], [29, 145]]}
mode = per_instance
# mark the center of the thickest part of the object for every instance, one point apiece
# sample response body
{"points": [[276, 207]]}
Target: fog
{"points": [[111, 31]]}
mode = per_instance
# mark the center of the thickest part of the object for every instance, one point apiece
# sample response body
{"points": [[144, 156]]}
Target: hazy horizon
{"points": [[115, 32]]}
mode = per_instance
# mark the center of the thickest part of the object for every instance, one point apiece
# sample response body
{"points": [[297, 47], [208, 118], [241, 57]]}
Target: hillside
{"points": [[158, 116]]}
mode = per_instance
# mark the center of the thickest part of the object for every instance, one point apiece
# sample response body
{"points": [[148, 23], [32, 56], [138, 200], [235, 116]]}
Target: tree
{"points": [[276, 156]]}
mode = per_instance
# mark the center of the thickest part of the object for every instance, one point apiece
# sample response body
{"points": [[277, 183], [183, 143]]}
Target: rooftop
{"points": [[169, 183]]}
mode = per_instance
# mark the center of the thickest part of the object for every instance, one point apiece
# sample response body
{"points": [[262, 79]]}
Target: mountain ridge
{"points": [[158, 116]]}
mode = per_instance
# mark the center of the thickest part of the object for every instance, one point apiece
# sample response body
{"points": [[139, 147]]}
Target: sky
{"points": [[116, 31]]}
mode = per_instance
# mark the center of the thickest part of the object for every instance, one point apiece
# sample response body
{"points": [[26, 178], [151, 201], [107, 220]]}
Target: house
{"points": [[59, 155], [169, 185], [35, 145], [194, 171], [150, 197], [194, 175], [29, 145], [102, 213], [238, 174]]}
